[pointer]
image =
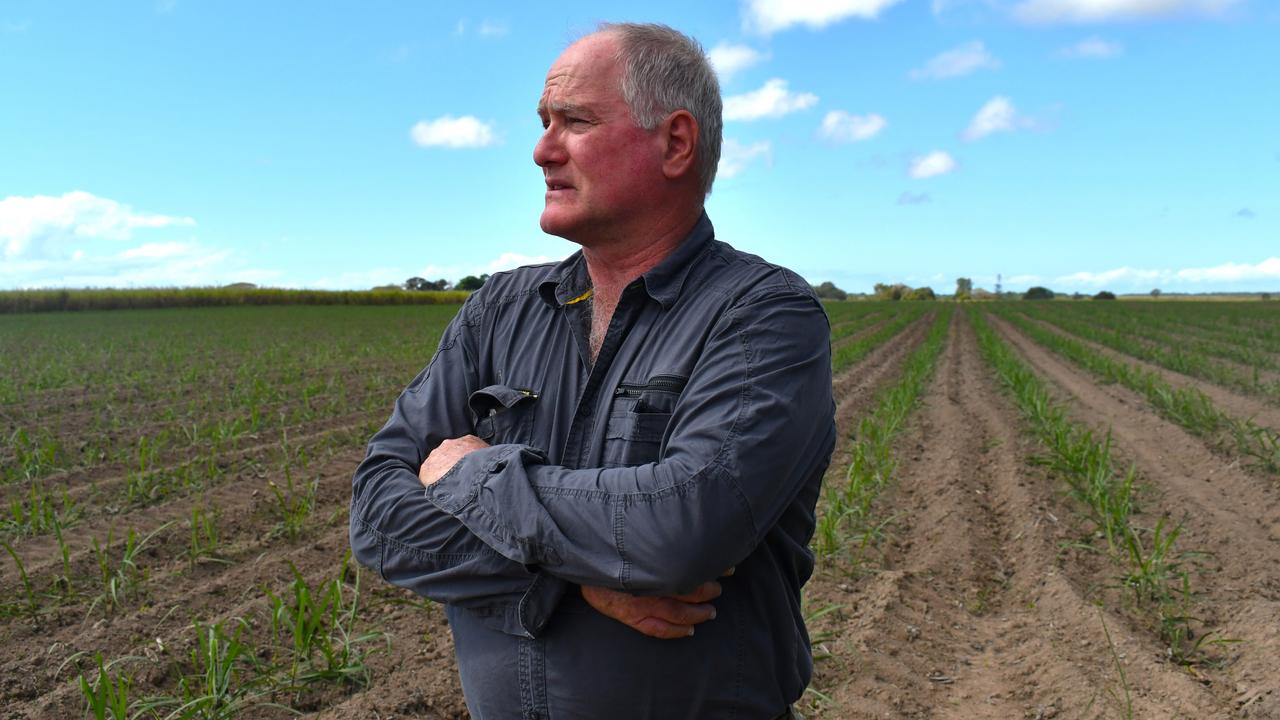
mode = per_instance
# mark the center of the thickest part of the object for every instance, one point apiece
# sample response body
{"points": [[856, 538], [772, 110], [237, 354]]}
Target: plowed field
{"points": [[175, 482]]}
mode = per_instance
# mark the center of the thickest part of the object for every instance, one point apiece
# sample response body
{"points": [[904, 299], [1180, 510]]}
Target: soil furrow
{"points": [[973, 614], [855, 388], [1224, 511]]}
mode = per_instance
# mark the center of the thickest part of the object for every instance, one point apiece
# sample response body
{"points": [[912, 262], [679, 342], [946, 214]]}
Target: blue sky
{"points": [[1078, 144]]}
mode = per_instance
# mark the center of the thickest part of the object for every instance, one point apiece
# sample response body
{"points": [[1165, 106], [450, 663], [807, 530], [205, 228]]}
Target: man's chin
{"points": [[552, 225]]}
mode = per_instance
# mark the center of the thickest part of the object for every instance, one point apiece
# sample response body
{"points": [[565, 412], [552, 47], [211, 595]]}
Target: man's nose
{"points": [[548, 150]]}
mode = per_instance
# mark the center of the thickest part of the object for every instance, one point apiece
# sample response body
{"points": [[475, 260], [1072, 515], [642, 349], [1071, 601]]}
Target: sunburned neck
{"points": [[613, 265]]}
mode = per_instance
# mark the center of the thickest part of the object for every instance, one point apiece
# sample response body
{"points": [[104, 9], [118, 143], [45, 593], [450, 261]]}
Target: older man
{"points": [[611, 443]]}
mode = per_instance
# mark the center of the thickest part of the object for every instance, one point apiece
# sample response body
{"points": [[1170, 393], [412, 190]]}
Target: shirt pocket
{"points": [[638, 420], [503, 414]]}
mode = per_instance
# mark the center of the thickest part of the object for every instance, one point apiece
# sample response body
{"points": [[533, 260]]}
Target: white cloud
{"points": [[493, 28], [840, 126], [931, 165], [1023, 280], [1111, 277], [946, 7], [157, 250], [156, 265], [41, 225], [82, 240], [962, 60], [365, 279], [486, 28], [770, 16], [771, 100], [1092, 48], [729, 59], [1091, 11], [1224, 274], [735, 157], [373, 277], [509, 260], [1268, 269], [453, 132], [910, 198], [997, 115]]}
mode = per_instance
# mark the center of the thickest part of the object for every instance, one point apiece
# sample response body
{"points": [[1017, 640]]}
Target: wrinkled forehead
{"points": [[589, 66]]}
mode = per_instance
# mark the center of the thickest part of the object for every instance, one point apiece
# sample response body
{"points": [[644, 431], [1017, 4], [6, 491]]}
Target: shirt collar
{"points": [[569, 281]]}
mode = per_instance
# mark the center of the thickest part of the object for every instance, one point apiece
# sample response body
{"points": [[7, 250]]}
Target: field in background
{"points": [[28, 301], [1034, 510]]}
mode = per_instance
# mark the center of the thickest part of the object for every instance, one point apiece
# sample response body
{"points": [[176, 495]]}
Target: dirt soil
{"points": [[974, 607], [976, 610]]}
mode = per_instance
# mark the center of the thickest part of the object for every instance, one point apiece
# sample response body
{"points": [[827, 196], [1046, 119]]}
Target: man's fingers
{"points": [[666, 618], [661, 629], [703, 593], [681, 613]]}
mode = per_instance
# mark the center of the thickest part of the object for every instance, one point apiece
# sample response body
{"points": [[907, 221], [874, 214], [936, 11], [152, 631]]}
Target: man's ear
{"points": [[679, 133]]}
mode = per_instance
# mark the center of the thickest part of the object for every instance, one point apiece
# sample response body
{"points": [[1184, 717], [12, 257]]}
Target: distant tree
{"points": [[416, 283], [964, 288], [829, 291], [1155, 293], [895, 291], [471, 282], [921, 293], [386, 288], [1105, 295], [1266, 296], [241, 286], [1077, 296], [1038, 293]]}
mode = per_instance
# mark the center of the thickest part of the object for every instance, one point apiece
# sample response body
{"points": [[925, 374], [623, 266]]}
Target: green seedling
{"points": [[32, 607], [294, 502], [121, 579], [106, 698], [206, 537], [38, 512], [319, 625]]}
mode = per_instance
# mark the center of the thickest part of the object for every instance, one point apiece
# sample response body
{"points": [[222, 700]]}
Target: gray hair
{"points": [[664, 70]]}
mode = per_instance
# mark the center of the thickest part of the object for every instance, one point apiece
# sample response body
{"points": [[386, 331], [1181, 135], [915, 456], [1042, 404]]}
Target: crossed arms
{"points": [[499, 525]]}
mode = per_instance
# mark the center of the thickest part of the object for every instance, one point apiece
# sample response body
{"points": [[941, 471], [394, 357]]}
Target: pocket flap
{"points": [[495, 399]]}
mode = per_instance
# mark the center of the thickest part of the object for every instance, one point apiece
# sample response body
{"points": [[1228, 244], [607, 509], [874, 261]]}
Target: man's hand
{"points": [[446, 455], [666, 618]]}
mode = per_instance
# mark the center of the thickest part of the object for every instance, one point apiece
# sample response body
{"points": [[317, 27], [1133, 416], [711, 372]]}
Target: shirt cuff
{"points": [[457, 492]]}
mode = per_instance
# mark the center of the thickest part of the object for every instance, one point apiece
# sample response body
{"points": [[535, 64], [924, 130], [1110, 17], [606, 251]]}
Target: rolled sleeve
{"points": [[754, 423], [411, 542]]}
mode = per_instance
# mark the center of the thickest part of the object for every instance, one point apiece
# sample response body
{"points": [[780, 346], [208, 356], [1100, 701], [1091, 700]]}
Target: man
{"points": [[610, 443]]}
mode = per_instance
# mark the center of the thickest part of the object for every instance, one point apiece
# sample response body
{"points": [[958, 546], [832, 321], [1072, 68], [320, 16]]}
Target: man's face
{"points": [[600, 169]]}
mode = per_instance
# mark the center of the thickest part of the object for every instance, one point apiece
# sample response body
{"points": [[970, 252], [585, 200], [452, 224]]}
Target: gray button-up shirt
{"points": [[696, 441]]}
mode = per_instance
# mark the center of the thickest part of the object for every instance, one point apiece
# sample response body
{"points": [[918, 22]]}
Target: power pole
{"points": [[998, 278]]}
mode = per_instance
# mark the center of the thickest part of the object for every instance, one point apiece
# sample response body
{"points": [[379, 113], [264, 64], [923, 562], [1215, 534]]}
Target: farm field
{"points": [[1035, 510]]}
